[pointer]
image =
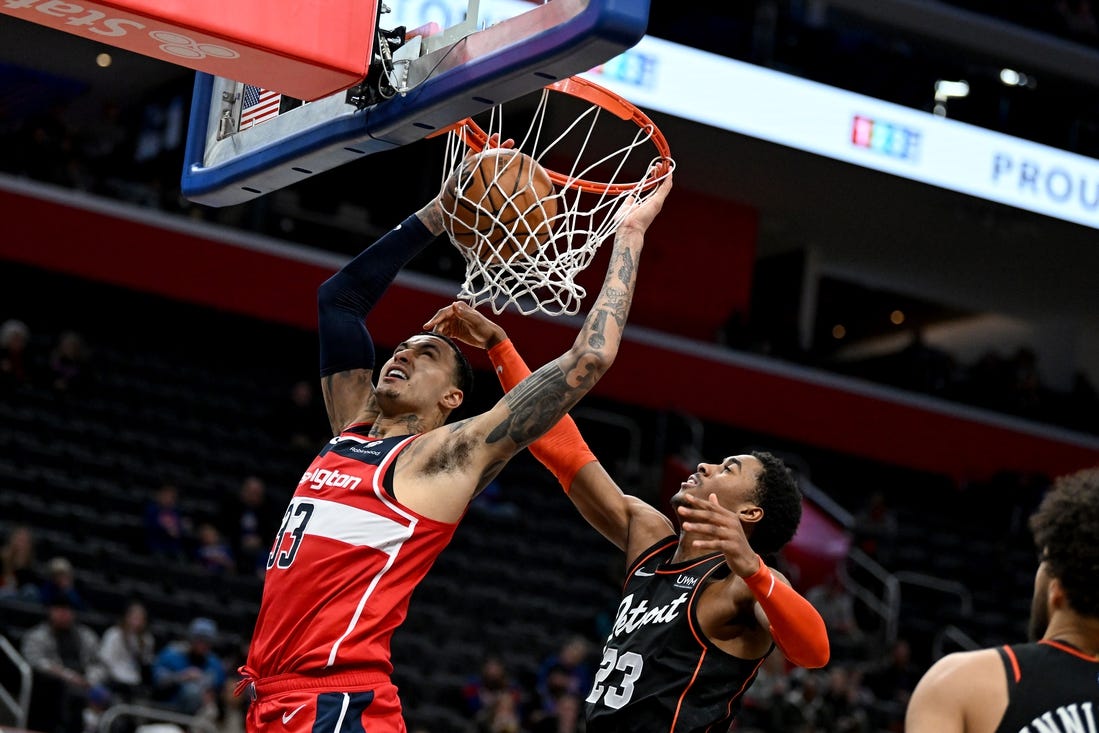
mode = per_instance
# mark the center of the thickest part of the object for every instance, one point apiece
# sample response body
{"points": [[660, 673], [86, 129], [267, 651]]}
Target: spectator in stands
{"points": [[15, 339], [99, 700], [167, 530], [63, 654], [188, 675], [212, 552], [60, 582], [249, 520], [565, 672], [766, 693], [848, 700], [47, 147], [1027, 395], [126, 653], [837, 607], [567, 716], [302, 420], [924, 368], [18, 575], [492, 699], [69, 362], [813, 709], [233, 708], [892, 682], [876, 529]]}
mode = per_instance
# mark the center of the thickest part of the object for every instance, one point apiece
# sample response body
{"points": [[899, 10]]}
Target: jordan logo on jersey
{"points": [[630, 617], [330, 477]]}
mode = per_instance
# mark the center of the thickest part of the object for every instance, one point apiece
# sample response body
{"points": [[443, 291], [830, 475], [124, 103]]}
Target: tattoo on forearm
{"points": [[619, 302], [537, 403], [627, 267], [598, 338], [432, 218]]}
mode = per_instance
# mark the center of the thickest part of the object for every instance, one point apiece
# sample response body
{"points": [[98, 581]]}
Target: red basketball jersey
{"points": [[343, 565]]}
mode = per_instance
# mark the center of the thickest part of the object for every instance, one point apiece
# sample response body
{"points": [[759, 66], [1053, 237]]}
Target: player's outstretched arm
{"points": [[483, 444], [562, 449], [344, 301], [795, 625]]}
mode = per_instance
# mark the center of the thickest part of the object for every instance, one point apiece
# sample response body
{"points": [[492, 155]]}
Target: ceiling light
{"points": [[1013, 78], [838, 331], [897, 317], [945, 90], [103, 60]]}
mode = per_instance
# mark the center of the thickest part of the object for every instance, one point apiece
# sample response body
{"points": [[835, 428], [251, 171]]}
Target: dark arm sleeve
{"points": [[345, 299]]}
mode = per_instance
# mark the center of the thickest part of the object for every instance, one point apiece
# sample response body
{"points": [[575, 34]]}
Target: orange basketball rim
{"points": [[475, 138]]}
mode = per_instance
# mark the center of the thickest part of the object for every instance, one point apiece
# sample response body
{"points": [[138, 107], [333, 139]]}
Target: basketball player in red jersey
{"points": [[1052, 684], [700, 610], [383, 497]]}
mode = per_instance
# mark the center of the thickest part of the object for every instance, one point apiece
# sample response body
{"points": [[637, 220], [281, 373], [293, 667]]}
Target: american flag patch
{"points": [[258, 105]]}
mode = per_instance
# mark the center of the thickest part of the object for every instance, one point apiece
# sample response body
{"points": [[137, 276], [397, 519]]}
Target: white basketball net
{"points": [[544, 279]]}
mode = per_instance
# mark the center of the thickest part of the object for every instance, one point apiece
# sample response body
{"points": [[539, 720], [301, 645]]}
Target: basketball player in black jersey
{"points": [[700, 611], [1052, 684]]}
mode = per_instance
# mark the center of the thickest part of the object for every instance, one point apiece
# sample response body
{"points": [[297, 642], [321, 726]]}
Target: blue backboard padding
{"points": [[601, 31]]}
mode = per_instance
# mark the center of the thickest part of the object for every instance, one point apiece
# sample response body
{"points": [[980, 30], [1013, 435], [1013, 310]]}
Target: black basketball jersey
{"points": [[659, 672], [1051, 687]]}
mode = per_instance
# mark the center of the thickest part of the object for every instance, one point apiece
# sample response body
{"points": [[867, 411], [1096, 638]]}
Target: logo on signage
{"points": [[632, 67], [72, 17], [885, 138], [180, 45]]}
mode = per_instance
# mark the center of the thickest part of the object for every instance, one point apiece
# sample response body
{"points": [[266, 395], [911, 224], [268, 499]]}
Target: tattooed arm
{"points": [[540, 400], [343, 302], [468, 454]]}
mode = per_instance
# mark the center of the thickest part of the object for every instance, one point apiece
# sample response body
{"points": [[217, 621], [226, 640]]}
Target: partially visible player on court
{"points": [[1052, 683], [384, 496], [700, 610]]}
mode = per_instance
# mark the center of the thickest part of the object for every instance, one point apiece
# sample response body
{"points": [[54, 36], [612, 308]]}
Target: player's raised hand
{"points": [[462, 322], [718, 528], [636, 216]]}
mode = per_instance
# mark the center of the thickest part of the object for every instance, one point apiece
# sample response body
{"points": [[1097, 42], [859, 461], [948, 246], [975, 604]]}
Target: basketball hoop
{"points": [[575, 126]]}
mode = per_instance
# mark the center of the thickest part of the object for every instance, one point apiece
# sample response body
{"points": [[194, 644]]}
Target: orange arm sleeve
{"points": [[562, 450], [796, 626]]}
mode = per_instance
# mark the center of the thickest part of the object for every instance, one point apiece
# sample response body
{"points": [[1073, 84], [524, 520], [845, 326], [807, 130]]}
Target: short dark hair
{"points": [[463, 372], [1066, 533], [778, 494]]}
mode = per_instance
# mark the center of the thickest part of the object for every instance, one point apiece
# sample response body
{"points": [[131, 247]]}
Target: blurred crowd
{"points": [[82, 671], [89, 668]]}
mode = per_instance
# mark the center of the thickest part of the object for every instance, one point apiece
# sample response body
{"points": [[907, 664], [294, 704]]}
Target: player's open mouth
{"points": [[396, 374], [692, 480]]}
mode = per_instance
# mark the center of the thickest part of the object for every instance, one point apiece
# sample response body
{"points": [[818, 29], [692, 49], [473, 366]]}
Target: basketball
{"points": [[500, 201]]}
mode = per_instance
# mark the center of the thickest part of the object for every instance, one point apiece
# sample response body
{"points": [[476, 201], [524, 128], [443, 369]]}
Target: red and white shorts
{"points": [[280, 707]]}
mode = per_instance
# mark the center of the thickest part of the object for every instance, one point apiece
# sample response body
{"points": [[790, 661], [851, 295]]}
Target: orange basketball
{"points": [[500, 195]]}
